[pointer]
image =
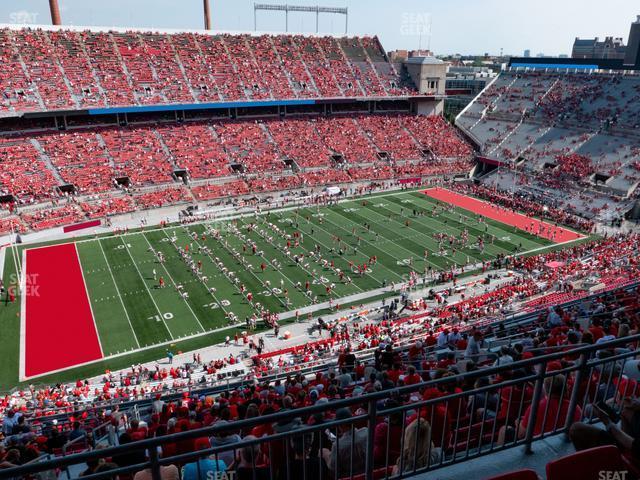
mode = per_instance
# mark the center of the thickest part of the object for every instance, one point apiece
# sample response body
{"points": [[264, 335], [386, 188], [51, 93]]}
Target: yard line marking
{"points": [[307, 252], [175, 285], [118, 291], [360, 252], [145, 286], [248, 213], [23, 320], [248, 270], [206, 286], [86, 291], [287, 259], [519, 233], [545, 247], [328, 249], [389, 240], [447, 228]]}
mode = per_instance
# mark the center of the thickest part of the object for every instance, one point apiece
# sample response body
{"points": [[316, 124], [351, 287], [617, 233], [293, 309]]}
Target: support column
{"points": [[207, 15], [55, 12]]}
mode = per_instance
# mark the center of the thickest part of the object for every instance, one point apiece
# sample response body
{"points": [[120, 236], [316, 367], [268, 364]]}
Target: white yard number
{"points": [[123, 246], [165, 316]]}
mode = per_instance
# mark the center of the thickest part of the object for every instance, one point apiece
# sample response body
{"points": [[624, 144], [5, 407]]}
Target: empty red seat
{"points": [[524, 474], [587, 464], [378, 473]]}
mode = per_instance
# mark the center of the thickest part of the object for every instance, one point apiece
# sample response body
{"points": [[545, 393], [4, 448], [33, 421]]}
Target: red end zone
{"points": [[58, 327], [503, 215]]}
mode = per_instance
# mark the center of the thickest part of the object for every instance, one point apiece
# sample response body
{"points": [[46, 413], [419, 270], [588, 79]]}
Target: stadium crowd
{"points": [[557, 131], [398, 359], [66, 69], [87, 166], [528, 203], [444, 342]]}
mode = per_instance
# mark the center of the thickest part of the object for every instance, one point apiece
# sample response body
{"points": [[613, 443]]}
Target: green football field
{"points": [[137, 320]]}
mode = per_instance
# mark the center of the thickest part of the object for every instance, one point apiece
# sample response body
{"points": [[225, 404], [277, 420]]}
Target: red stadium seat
{"points": [[587, 464], [524, 474], [377, 474]]}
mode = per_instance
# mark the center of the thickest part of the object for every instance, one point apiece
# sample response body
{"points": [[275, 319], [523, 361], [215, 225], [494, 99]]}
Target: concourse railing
{"points": [[393, 433]]}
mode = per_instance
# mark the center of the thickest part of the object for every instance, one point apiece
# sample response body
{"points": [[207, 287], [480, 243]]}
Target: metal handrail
{"points": [[95, 439], [369, 399], [75, 441], [511, 322]]}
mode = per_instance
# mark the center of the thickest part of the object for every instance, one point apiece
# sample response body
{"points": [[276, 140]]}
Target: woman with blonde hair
{"points": [[418, 450]]}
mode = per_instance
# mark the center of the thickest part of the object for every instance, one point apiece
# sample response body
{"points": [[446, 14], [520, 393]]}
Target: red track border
{"points": [[480, 207], [58, 324]]}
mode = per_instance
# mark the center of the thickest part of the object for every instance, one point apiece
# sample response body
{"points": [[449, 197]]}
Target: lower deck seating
{"points": [[303, 151]]}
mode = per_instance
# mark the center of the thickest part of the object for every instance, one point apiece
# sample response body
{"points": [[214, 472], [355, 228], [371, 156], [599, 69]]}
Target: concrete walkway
{"points": [[153, 217], [496, 463], [299, 332]]}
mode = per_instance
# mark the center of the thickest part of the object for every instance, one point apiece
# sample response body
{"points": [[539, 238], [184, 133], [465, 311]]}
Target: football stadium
{"points": [[264, 255]]}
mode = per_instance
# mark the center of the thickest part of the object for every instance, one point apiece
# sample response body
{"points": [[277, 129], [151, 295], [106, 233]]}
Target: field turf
{"points": [[137, 321]]}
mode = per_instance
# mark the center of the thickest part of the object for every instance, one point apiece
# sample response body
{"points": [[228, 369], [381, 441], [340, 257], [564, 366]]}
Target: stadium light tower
{"points": [[55, 12], [297, 8], [207, 15]]}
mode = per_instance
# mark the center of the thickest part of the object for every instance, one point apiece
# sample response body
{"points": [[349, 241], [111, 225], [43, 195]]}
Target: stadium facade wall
{"points": [[577, 63]]}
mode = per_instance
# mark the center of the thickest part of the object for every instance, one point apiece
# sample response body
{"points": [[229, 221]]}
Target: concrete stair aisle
{"points": [[284, 70], [25, 70], [306, 67], [47, 161]]}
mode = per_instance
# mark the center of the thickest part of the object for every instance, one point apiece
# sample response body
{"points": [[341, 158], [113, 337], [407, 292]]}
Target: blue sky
{"points": [[457, 26]]}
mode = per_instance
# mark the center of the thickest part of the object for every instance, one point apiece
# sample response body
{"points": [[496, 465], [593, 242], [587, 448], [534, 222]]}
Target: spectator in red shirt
{"points": [[552, 411], [412, 377], [596, 330], [390, 428]]}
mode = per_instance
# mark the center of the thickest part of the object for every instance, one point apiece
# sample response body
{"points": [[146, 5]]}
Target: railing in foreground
{"points": [[396, 432]]}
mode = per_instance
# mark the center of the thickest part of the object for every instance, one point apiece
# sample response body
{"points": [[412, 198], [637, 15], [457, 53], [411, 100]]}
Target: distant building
{"points": [[609, 54], [397, 56], [610, 48], [428, 74], [632, 55], [420, 53], [463, 84], [527, 53]]}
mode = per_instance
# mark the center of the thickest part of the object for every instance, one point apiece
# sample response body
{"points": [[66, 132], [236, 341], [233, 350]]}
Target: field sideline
{"points": [[136, 320]]}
